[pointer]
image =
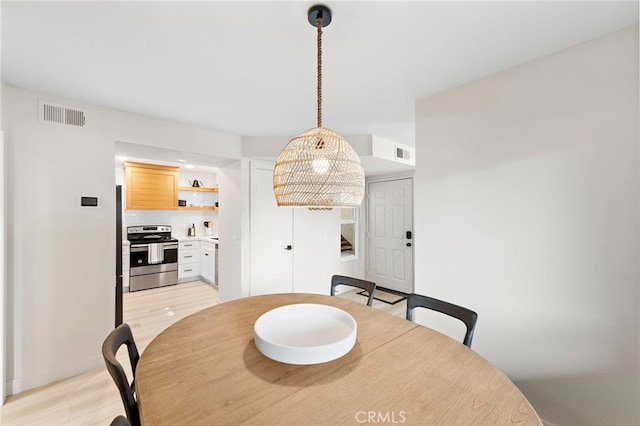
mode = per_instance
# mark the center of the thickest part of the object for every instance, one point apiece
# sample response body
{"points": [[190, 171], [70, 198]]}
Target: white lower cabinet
{"points": [[188, 260], [208, 261]]}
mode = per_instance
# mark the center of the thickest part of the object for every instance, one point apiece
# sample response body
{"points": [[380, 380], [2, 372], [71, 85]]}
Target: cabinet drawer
{"points": [[188, 256], [189, 245], [190, 270]]}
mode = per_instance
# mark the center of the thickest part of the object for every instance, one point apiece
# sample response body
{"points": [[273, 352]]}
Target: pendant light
{"points": [[318, 169]]}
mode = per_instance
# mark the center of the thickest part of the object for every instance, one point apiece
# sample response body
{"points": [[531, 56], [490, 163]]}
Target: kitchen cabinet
{"points": [[151, 186], [188, 260], [208, 261], [201, 198]]}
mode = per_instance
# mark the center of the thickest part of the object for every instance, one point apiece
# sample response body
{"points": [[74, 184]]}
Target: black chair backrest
{"points": [[369, 286], [467, 316], [120, 421], [122, 335]]}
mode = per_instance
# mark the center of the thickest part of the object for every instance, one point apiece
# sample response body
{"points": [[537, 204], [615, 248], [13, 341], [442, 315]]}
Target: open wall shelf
{"points": [[197, 189], [199, 199], [212, 208]]}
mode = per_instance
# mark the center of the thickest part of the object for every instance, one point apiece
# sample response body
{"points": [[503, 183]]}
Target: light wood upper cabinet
{"points": [[150, 186]]}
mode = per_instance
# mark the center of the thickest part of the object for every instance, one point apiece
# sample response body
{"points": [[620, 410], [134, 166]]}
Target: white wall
{"points": [[526, 204], [61, 257], [179, 221], [230, 235], [269, 147]]}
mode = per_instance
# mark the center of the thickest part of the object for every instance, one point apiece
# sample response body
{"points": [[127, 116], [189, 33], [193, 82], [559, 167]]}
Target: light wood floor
{"points": [[92, 398]]}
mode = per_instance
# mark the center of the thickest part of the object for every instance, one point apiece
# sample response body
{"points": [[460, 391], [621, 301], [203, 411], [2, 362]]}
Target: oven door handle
{"points": [[145, 247]]}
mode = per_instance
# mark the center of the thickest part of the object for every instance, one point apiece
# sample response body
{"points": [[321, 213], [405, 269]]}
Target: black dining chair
{"points": [[369, 286], [120, 421], [120, 336], [467, 316]]}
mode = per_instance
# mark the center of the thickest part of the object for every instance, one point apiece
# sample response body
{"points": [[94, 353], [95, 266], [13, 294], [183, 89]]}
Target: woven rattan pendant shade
{"points": [[318, 169]]}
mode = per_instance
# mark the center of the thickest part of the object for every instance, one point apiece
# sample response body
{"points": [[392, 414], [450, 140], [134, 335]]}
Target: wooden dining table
{"points": [[205, 370]]}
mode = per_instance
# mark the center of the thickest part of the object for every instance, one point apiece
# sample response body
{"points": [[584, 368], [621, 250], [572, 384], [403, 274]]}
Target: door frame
{"points": [[3, 274], [388, 178]]}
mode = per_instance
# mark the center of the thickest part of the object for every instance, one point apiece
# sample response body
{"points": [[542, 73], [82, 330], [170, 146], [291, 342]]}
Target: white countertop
{"points": [[213, 238]]}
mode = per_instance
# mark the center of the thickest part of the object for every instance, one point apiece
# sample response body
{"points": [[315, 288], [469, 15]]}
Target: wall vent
{"points": [[403, 154], [60, 114]]}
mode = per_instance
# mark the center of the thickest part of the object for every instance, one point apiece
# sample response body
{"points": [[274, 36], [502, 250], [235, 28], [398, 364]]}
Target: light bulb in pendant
{"points": [[320, 165]]}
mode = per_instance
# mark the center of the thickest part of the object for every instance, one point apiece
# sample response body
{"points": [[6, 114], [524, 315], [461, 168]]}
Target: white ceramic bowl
{"points": [[305, 333]]}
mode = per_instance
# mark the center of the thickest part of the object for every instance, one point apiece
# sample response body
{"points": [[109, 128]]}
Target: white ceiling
{"points": [[248, 68]]}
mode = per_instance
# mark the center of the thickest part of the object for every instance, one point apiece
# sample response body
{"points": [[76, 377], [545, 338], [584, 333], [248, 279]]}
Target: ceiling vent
{"points": [[403, 154], [60, 114]]}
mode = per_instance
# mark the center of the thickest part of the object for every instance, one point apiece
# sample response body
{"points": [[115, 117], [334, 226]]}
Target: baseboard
{"points": [[10, 387], [41, 378]]}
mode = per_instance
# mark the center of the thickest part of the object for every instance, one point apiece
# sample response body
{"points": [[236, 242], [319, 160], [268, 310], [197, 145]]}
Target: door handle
{"points": [[408, 235], [288, 247]]}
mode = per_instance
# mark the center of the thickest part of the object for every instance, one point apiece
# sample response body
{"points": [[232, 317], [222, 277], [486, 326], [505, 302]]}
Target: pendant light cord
{"points": [[319, 26]]}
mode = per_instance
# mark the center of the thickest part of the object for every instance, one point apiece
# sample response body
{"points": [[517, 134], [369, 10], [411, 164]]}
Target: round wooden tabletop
{"points": [[205, 369]]}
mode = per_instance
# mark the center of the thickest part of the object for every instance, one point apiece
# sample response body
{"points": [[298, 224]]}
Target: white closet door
{"points": [[271, 235]]}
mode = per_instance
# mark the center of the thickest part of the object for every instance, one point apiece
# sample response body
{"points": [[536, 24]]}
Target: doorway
{"points": [[390, 234]]}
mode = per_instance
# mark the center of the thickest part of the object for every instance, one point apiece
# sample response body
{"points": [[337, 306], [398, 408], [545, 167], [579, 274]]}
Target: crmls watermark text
{"points": [[381, 417]]}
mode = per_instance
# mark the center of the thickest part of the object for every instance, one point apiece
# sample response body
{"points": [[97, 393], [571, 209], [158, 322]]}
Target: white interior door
{"points": [[271, 236], [389, 234]]}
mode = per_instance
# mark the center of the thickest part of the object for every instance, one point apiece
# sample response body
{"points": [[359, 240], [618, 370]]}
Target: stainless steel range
{"points": [[154, 257]]}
